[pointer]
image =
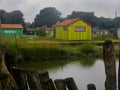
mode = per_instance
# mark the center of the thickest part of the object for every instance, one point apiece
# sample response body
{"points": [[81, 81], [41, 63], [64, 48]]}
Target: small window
{"points": [[79, 29], [65, 28]]}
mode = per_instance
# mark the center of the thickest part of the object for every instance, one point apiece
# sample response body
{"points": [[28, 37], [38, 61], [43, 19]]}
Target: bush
{"points": [[87, 48], [42, 32], [96, 37]]}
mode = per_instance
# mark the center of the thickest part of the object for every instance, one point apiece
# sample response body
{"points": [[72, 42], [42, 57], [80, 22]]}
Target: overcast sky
{"points": [[30, 8]]}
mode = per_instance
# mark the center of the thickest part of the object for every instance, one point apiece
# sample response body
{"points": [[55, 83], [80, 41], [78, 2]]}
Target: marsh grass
{"points": [[39, 48]]}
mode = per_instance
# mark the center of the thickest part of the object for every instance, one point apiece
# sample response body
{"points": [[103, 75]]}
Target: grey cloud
{"points": [[30, 8]]}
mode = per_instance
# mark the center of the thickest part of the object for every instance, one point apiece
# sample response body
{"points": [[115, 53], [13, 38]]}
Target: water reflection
{"points": [[83, 71], [86, 62], [82, 75], [54, 64], [42, 65]]}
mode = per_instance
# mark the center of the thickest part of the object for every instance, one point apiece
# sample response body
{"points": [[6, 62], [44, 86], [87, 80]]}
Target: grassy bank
{"points": [[23, 49]]}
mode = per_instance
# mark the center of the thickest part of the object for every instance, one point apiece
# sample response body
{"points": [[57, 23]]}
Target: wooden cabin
{"points": [[73, 29], [11, 30]]}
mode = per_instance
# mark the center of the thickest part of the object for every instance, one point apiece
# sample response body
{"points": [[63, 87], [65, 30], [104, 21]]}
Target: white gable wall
{"points": [[118, 33]]}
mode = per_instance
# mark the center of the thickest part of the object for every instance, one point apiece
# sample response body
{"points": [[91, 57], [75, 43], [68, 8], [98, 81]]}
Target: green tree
{"points": [[47, 16], [101, 22], [3, 16], [117, 22], [105, 23], [29, 25], [17, 17], [88, 16], [14, 17]]}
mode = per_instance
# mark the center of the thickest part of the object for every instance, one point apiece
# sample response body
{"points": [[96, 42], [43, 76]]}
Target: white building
{"points": [[118, 33]]}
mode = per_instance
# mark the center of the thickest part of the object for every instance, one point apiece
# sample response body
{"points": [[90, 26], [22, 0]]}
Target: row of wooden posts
{"points": [[32, 80]]}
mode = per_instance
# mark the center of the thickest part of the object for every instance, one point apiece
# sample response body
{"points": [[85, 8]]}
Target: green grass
{"points": [[47, 48]]}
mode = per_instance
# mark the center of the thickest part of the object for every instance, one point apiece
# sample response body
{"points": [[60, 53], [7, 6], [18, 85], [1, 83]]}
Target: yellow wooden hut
{"points": [[73, 29]]}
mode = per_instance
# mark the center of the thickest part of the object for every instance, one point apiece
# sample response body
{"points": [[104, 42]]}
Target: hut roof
{"points": [[71, 21], [11, 26]]}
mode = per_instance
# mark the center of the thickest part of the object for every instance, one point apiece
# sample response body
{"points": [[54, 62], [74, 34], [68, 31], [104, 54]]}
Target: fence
{"points": [[32, 80]]}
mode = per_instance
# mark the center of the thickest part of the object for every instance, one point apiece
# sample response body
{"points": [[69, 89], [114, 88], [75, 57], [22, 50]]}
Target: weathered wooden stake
{"points": [[48, 85], [110, 65], [1, 86], [119, 76], [44, 76], [20, 78], [91, 87], [71, 84], [60, 84], [33, 80], [119, 71], [7, 81]]}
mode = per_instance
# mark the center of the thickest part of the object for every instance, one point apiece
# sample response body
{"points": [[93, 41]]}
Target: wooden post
{"points": [[1, 86], [110, 65], [20, 78], [71, 84], [7, 81], [119, 76], [119, 70], [33, 80], [60, 84], [48, 85], [91, 87], [44, 75]]}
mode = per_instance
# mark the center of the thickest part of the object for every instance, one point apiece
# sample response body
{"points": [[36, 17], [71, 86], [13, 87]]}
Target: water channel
{"points": [[83, 71]]}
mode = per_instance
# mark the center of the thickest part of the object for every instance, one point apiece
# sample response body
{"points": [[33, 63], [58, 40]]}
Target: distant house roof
{"points": [[31, 29], [71, 21], [11, 26], [46, 28], [104, 30]]}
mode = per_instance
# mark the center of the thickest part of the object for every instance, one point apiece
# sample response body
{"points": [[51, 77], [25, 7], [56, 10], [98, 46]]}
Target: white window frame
{"points": [[79, 29], [65, 28]]}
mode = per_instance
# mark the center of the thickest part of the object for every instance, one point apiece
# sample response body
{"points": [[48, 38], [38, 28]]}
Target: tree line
{"points": [[14, 17], [49, 16]]}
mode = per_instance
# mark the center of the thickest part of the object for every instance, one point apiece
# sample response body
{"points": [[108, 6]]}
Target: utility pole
{"points": [[116, 24], [115, 14]]}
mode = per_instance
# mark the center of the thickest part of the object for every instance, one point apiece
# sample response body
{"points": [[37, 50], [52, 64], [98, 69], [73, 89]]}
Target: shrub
{"points": [[41, 32], [42, 52], [87, 48]]}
